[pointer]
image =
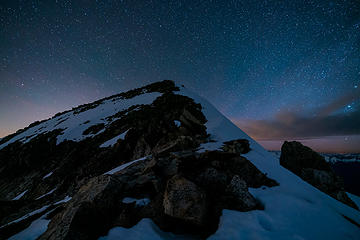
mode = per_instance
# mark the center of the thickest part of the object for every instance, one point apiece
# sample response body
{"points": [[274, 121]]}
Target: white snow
{"points": [[177, 123], [36, 228], [48, 193], [114, 140], [26, 216], [73, 123], [20, 195], [138, 202], [47, 175], [146, 229], [66, 199], [123, 166], [32, 232]]}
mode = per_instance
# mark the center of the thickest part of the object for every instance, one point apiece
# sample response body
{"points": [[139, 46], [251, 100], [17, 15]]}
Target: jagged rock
{"points": [[238, 165], [312, 167], [240, 146], [243, 200], [181, 143], [184, 200], [87, 213]]}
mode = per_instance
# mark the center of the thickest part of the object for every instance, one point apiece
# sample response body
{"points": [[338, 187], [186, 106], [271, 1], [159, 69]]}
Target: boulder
{"points": [[313, 168], [295, 157], [240, 146], [184, 200]]}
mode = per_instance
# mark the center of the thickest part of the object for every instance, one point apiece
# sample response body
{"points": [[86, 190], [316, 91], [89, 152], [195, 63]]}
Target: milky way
{"points": [[254, 60]]}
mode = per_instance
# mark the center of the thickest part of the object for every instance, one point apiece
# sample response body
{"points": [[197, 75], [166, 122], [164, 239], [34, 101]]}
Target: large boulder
{"points": [[185, 200], [295, 157], [313, 168]]}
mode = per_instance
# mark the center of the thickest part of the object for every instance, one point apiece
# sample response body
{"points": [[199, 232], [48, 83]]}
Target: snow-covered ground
{"points": [[36, 228]]}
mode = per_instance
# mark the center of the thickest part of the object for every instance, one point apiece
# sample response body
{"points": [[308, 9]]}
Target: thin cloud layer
{"points": [[324, 122]]}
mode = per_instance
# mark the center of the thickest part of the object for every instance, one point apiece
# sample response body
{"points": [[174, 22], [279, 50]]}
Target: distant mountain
{"points": [[156, 162], [349, 157], [333, 157]]}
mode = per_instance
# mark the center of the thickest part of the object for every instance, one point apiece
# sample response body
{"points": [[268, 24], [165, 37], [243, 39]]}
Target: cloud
{"points": [[324, 122], [339, 103]]}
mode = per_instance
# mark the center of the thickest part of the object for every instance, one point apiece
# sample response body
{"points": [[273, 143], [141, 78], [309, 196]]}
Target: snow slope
{"points": [[74, 124], [293, 210]]}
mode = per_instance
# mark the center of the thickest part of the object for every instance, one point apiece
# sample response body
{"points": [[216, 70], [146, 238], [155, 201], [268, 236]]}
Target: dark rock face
{"points": [[313, 168], [349, 171], [185, 190], [182, 199]]}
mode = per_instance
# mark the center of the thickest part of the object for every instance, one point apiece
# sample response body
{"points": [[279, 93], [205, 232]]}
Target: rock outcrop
{"points": [[181, 190], [313, 168], [185, 193]]}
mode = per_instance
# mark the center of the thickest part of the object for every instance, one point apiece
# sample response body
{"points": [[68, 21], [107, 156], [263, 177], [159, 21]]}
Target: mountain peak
{"points": [[156, 154]]}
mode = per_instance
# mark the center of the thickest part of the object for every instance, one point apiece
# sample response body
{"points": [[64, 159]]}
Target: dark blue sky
{"points": [[269, 66]]}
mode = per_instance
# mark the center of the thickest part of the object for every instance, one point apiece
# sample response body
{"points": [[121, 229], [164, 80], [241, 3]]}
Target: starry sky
{"points": [[280, 70]]}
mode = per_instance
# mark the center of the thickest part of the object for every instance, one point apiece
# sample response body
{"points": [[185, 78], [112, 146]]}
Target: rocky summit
{"points": [[160, 162]]}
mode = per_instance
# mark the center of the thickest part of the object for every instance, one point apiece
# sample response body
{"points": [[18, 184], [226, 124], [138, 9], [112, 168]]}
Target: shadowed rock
{"points": [[312, 167]]}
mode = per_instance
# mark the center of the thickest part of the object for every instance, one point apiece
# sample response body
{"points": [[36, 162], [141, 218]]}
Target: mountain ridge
{"points": [[170, 147]]}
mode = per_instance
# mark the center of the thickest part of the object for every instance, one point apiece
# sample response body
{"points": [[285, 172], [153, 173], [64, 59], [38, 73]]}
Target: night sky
{"points": [[278, 69]]}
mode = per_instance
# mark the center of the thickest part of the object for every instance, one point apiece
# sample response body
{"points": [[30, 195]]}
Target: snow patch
{"points": [[48, 193], [20, 195], [47, 175], [66, 199], [123, 166], [138, 202], [36, 228], [177, 123], [27, 215], [114, 140]]}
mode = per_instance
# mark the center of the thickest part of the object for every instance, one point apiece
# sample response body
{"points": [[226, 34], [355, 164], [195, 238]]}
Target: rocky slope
{"points": [[158, 158]]}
